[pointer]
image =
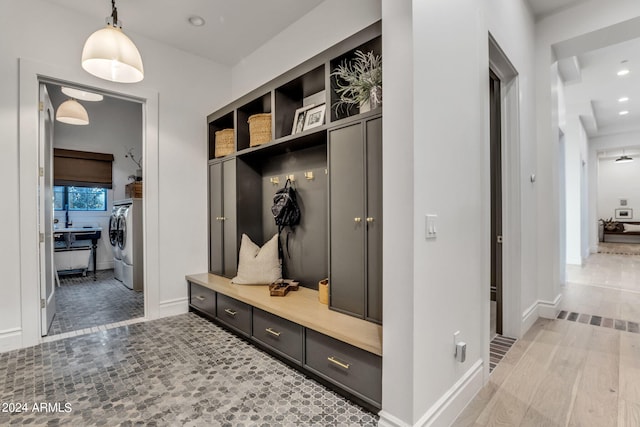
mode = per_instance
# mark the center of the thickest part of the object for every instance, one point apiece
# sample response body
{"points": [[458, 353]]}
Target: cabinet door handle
{"points": [[223, 218], [230, 312], [335, 361], [218, 218], [272, 332], [357, 219], [369, 219], [200, 298]]}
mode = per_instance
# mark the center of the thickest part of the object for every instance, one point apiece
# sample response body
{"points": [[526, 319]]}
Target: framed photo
{"points": [[314, 117], [624, 213], [298, 119]]}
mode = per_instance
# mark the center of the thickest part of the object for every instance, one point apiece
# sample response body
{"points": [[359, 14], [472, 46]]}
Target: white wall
{"points": [[188, 89], [329, 23], [115, 125], [618, 181], [576, 156]]}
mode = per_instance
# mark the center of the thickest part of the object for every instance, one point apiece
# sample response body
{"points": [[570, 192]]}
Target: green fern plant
{"points": [[357, 79]]}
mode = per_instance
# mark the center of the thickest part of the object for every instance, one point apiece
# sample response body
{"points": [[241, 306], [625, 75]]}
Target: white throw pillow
{"points": [[258, 265], [631, 227]]}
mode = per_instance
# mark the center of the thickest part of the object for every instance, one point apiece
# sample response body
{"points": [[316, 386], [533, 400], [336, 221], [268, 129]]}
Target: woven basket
{"points": [[224, 142], [259, 129]]}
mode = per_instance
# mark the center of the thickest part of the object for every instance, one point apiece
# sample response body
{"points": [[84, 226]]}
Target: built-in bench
{"points": [[339, 349], [621, 236]]}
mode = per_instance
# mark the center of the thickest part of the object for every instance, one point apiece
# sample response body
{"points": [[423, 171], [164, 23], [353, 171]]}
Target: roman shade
{"points": [[82, 168]]}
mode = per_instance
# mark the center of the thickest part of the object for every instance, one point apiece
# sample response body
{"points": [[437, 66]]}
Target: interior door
{"points": [[495, 112], [215, 220], [45, 210]]}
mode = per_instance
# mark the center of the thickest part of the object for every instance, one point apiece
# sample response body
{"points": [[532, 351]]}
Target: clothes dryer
{"points": [[130, 243], [114, 237]]}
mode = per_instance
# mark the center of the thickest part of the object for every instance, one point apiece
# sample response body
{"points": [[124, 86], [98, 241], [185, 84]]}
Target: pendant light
{"points": [[72, 112], [82, 95], [109, 54], [624, 158]]}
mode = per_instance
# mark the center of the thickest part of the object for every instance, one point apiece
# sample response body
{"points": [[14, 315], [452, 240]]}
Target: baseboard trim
{"points": [[388, 420], [107, 265], [540, 308], [174, 307], [10, 339], [450, 405]]}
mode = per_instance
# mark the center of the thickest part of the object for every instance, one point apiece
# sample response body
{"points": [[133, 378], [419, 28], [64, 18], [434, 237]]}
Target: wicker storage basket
{"points": [[259, 129], [224, 142]]}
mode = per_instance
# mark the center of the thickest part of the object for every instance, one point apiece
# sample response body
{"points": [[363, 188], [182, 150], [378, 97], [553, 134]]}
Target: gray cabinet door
{"points": [[215, 224], [374, 219], [223, 253], [347, 222], [229, 222]]}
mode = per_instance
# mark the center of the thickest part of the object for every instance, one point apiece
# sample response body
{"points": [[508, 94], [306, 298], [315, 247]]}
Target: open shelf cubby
{"points": [[226, 121], [375, 46], [259, 105], [291, 96]]}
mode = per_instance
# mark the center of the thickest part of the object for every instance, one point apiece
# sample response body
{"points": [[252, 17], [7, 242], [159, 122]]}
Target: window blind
{"points": [[82, 168]]}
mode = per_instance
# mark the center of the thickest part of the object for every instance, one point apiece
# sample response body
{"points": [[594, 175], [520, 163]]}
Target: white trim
{"points": [[388, 420], [452, 403], [30, 74], [540, 308], [10, 339], [173, 307]]}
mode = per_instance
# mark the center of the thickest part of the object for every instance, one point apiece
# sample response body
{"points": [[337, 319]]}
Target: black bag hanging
{"points": [[286, 211]]}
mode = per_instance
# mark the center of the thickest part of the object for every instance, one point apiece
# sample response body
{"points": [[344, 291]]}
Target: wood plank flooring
{"points": [[572, 373]]}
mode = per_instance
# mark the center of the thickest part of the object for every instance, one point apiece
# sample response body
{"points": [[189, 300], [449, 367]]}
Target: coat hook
{"points": [[291, 177], [309, 175], [274, 180]]}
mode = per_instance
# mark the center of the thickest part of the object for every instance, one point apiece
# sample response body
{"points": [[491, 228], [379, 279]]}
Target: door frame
{"points": [[31, 73], [512, 315]]}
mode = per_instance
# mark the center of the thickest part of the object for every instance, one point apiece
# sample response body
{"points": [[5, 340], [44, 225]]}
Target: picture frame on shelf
{"points": [[624, 213], [314, 117], [299, 118]]}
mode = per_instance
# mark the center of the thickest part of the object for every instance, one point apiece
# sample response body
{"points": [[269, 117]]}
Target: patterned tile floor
{"points": [[182, 370], [84, 303]]}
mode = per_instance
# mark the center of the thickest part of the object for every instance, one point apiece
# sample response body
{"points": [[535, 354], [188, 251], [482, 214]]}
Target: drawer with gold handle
{"points": [[234, 314], [349, 367], [202, 299], [278, 334]]}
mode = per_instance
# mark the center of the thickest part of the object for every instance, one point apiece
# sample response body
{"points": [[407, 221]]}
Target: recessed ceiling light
{"points": [[196, 21], [623, 112], [623, 99], [623, 72], [81, 94]]}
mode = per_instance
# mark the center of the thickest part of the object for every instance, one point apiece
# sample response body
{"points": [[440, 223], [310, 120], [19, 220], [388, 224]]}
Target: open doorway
{"points": [[95, 217]]}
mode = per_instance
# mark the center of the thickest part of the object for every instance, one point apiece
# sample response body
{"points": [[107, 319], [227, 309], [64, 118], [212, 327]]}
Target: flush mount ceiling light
{"points": [[623, 99], [623, 113], [624, 158], [623, 72], [109, 54], [72, 112], [196, 21], [81, 94]]}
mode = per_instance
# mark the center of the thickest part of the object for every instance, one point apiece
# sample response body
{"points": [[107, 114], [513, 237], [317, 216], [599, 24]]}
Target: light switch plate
{"points": [[431, 229]]}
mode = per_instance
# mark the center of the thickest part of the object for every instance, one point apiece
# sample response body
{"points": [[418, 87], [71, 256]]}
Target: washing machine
{"points": [[129, 243], [114, 237]]}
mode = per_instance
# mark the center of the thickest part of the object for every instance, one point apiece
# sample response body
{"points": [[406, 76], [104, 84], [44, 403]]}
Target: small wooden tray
{"points": [[282, 288]]}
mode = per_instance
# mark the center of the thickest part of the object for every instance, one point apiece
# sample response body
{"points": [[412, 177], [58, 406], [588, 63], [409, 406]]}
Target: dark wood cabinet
{"points": [[223, 242], [355, 170]]}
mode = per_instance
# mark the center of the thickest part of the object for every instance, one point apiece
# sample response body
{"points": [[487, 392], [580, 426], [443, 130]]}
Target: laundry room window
{"points": [[79, 198]]}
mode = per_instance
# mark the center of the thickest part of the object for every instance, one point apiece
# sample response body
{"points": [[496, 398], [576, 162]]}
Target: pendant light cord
{"points": [[114, 13]]}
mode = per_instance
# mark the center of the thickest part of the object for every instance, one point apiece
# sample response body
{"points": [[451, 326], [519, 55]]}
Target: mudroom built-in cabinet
{"points": [[333, 158]]}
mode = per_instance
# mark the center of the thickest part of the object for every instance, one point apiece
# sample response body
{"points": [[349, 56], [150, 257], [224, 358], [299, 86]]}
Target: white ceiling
{"points": [[542, 8], [233, 29]]}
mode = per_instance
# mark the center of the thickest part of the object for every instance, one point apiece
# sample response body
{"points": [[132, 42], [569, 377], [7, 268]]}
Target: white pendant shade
{"points": [[111, 55], [82, 94], [72, 112]]}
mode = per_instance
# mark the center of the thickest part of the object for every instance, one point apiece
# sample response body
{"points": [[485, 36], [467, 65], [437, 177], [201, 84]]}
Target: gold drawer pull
{"points": [[272, 332], [337, 362], [230, 312], [200, 298]]}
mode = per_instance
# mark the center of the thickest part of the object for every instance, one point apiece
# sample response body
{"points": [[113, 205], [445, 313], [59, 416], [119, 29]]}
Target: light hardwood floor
{"points": [[564, 373]]}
